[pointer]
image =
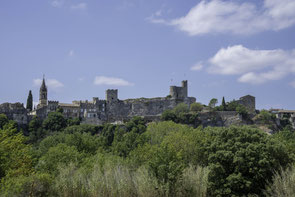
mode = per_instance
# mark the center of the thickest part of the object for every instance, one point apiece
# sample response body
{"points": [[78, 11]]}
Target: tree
{"points": [[242, 161], [35, 129], [54, 122], [60, 154], [15, 155], [168, 115], [30, 101], [213, 102], [3, 120], [223, 104], [196, 107], [181, 107], [167, 166]]}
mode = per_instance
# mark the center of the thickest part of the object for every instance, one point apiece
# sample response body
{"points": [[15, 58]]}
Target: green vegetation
{"points": [[62, 158], [213, 102], [29, 105]]}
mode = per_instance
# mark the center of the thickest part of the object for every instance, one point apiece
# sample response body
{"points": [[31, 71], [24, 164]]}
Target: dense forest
{"points": [[62, 157]]}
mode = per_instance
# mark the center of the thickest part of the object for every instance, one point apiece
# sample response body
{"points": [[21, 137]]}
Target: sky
{"points": [[227, 48]]}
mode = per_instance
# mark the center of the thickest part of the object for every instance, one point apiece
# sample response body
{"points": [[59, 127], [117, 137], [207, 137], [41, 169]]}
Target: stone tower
{"points": [[112, 95], [179, 92], [43, 95]]}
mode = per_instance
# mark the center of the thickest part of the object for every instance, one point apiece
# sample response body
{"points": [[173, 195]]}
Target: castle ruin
{"points": [[112, 109]]}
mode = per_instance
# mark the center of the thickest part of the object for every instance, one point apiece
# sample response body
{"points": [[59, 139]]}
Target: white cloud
{"points": [[52, 84], [103, 80], [220, 16], [71, 53], [154, 18], [252, 66], [79, 6], [57, 3], [197, 67]]}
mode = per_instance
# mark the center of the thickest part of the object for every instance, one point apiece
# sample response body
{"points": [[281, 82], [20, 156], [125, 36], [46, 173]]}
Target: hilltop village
{"points": [[113, 110]]}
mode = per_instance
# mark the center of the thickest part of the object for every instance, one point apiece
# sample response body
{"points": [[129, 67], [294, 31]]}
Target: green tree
{"points": [[15, 157], [242, 111], [29, 105], [167, 166], [54, 122], [181, 108], [3, 120], [36, 131], [242, 160], [73, 121], [196, 107], [223, 104], [213, 102], [265, 117], [168, 115], [58, 155]]}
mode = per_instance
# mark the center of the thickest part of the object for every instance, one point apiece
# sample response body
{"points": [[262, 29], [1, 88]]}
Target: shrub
{"points": [[181, 108], [196, 107], [282, 184]]}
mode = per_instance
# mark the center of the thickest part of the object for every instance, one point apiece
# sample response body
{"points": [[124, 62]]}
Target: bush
{"points": [[196, 107], [37, 184], [282, 184], [265, 117], [181, 108], [194, 182]]}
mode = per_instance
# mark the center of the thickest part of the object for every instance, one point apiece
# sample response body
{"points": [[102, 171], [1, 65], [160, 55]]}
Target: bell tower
{"points": [[43, 94]]}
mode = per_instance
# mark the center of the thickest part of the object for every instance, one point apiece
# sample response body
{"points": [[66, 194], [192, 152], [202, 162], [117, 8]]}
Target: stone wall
{"points": [[219, 118], [15, 111], [121, 110]]}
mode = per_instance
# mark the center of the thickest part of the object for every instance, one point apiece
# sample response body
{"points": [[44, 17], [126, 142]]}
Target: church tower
{"points": [[43, 94]]}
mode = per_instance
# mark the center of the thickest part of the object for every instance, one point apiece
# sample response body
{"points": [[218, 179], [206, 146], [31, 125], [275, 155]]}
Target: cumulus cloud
{"points": [[197, 67], [103, 80], [252, 66], [52, 84], [79, 6], [220, 16]]}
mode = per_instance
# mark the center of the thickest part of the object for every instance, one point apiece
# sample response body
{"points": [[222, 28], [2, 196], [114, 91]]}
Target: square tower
{"points": [[112, 95]]}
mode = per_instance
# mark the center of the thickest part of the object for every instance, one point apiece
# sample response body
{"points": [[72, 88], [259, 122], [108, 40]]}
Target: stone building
{"points": [[112, 109], [249, 102], [15, 111]]}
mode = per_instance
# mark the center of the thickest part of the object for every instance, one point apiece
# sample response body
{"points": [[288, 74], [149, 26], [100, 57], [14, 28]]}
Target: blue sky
{"points": [[223, 48]]}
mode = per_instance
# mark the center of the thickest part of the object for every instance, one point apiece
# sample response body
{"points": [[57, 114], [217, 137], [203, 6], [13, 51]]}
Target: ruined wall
{"points": [[15, 111], [122, 110], [249, 102], [179, 92], [220, 118]]}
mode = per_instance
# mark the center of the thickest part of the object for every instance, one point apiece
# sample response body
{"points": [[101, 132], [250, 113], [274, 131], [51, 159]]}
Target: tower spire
{"points": [[43, 94]]}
